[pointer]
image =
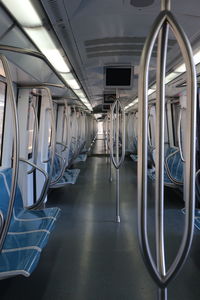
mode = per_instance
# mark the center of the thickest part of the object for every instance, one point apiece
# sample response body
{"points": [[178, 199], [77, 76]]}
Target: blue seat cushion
{"points": [[18, 262], [37, 239]]}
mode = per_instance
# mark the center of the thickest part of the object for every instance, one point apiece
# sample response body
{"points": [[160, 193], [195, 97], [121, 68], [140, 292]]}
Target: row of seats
{"points": [[134, 155], [173, 169]]}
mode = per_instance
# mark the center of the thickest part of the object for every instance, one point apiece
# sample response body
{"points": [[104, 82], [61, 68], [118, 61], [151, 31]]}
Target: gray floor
{"points": [[90, 257]]}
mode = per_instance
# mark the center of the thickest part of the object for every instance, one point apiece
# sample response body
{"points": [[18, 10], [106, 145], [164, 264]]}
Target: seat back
{"points": [[5, 185], [175, 164]]}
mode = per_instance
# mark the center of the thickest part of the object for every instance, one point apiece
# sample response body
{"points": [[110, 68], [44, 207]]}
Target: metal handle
{"points": [[168, 170], [66, 120], [41, 199], [1, 221], [179, 134], [149, 125], [61, 144], [117, 162], [35, 139], [157, 271], [53, 127], [53, 182], [16, 143]]}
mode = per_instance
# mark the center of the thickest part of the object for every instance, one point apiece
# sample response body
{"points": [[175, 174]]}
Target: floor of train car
{"points": [[90, 257]]}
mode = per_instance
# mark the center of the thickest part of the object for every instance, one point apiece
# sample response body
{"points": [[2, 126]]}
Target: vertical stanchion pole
{"points": [[157, 270], [117, 160], [162, 294], [110, 177], [160, 112]]}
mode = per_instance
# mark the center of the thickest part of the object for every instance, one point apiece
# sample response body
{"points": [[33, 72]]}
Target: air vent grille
{"points": [[119, 46]]}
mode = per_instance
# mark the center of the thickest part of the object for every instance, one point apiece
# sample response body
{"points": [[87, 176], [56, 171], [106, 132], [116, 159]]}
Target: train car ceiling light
{"points": [[80, 93], [71, 81], [18, 7], [45, 43]]}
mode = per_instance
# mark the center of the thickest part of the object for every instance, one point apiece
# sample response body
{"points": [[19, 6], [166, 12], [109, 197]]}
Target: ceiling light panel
{"points": [[71, 81], [17, 9], [44, 42]]}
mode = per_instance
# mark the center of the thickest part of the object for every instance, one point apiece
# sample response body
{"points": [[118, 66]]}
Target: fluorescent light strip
{"points": [[17, 8], [80, 93], [71, 81], [43, 40]]}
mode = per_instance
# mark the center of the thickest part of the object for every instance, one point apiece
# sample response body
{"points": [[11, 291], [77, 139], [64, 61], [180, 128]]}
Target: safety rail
{"points": [[53, 130], [15, 162], [179, 133], [62, 170], [41, 199], [160, 29], [117, 161], [168, 171], [35, 139]]}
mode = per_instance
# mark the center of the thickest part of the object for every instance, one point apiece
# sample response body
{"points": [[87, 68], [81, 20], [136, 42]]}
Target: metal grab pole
{"points": [[35, 139], [110, 145], [117, 160], [16, 143], [53, 129], [160, 113], [179, 134], [157, 271], [162, 293]]}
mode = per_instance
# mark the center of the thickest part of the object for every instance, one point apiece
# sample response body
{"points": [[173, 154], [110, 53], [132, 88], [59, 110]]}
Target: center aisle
{"points": [[89, 256]]}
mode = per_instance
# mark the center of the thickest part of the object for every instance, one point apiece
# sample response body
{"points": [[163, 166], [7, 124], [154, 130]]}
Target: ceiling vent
{"points": [[142, 3]]}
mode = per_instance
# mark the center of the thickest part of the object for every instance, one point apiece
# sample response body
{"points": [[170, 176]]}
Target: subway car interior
{"points": [[99, 149]]}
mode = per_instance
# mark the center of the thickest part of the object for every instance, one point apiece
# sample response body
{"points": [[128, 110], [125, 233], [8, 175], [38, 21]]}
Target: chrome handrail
{"points": [[41, 56], [160, 27], [179, 133], [176, 182], [149, 125], [1, 220], [117, 162], [61, 144], [53, 128], [35, 139], [62, 171], [16, 143], [41, 199]]}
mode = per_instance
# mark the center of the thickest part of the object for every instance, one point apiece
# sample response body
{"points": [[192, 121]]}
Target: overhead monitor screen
{"points": [[118, 77]]}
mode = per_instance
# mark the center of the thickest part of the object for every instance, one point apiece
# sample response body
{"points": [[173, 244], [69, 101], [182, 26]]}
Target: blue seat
{"points": [[174, 164], [173, 169], [69, 176], [18, 262], [19, 213], [28, 232], [134, 157], [81, 157]]}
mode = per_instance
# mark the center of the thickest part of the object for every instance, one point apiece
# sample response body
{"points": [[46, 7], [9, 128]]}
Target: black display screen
{"points": [[118, 76]]}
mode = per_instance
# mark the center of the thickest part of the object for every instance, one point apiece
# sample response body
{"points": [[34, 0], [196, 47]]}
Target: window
{"points": [[2, 113]]}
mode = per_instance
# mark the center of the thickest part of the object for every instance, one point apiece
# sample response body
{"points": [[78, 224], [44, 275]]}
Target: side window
{"points": [[2, 114]]}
